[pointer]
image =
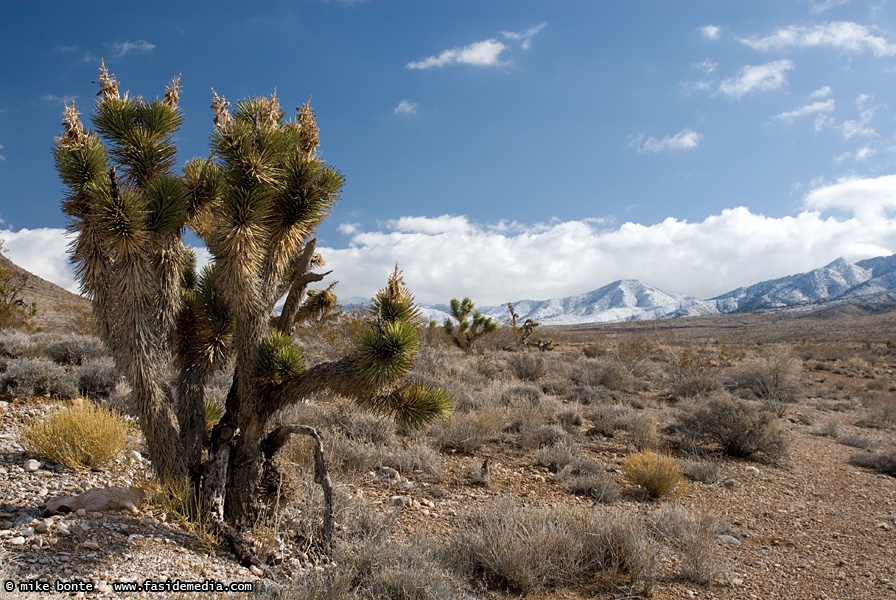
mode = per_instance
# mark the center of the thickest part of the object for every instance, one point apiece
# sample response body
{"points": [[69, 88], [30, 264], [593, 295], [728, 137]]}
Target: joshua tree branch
{"points": [[277, 438]]}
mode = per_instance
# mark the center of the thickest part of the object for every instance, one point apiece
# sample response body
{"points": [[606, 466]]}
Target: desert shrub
{"points": [[37, 377], [558, 455], [632, 351], [585, 477], [643, 428], [858, 441], [589, 395], [524, 550], [694, 535], [569, 418], [16, 344], [528, 395], [702, 471], [829, 428], [657, 474], [606, 372], [73, 349], [739, 428], [609, 418], [467, 432], [528, 367], [693, 370], [773, 379], [97, 377], [352, 456], [884, 461], [81, 436], [880, 412]]}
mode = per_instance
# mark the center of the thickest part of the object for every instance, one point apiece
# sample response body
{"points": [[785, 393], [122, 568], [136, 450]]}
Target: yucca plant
{"points": [[255, 202]]}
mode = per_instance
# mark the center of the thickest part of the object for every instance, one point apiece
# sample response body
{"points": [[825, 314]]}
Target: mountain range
{"points": [[633, 300]]}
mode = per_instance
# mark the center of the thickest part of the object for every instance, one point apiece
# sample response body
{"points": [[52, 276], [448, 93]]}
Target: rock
{"points": [[400, 500], [90, 545], [751, 471], [31, 465], [23, 519], [98, 500], [729, 483], [388, 476], [256, 571], [728, 539], [43, 526], [17, 541], [28, 532]]}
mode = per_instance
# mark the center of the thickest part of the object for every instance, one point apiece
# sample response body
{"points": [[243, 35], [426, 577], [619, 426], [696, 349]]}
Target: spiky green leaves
{"points": [[279, 360], [394, 302], [387, 352], [206, 325], [139, 135], [414, 405], [80, 165], [166, 205]]}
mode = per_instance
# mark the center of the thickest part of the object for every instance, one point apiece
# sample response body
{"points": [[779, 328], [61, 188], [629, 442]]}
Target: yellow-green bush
{"points": [[81, 436], [658, 474]]}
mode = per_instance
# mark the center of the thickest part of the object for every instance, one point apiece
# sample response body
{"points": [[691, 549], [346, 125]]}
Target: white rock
{"points": [[17, 541], [31, 465], [90, 545]]}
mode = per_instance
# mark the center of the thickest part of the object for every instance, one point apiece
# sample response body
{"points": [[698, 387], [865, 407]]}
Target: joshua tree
{"points": [[255, 202], [471, 325]]}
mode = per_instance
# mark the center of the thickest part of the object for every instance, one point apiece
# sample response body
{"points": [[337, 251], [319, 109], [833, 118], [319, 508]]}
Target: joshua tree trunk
{"points": [[255, 202]]}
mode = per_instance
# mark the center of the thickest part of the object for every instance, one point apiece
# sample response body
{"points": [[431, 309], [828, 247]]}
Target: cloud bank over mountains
{"points": [[451, 255]]}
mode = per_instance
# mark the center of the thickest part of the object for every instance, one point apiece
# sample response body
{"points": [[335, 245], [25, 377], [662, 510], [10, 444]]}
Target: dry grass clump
{"points": [[883, 462], [81, 436], [739, 428], [694, 535], [181, 504], [523, 550], [657, 474]]}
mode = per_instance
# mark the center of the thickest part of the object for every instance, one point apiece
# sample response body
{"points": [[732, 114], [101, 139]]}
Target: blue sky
{"points": [[513, 149]]}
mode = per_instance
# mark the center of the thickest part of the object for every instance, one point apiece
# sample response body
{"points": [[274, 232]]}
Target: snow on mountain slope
{"points": [[632, 300]]}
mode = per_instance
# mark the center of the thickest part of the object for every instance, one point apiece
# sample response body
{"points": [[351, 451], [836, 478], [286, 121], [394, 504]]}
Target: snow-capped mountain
{"points": [[838, 280], [632, 300]]}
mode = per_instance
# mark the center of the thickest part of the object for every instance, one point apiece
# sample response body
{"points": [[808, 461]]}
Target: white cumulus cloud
{"points": [[486, 53], [841, 35], [825, 106], [452, 256], [406, 107], [711, 32], [686, 139], [753, 78], [526, 36]]}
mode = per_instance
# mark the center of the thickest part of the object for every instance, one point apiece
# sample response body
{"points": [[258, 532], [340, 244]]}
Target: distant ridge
{"points": [[871, 283], [58, 310]]}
